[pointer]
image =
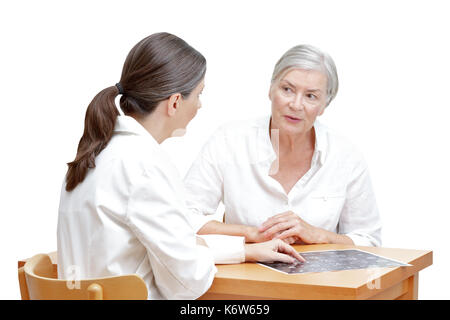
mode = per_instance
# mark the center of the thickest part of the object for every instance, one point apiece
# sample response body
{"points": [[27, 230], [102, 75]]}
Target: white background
{"points": [[393, 101]]}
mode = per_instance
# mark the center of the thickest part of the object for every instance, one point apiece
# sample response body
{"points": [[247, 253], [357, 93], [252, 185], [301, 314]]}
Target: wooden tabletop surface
{"points": [[254, 280]]}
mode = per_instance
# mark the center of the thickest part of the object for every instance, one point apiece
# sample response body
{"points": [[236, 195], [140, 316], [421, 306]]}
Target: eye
{"points": [[311, 96], [287, 89]]}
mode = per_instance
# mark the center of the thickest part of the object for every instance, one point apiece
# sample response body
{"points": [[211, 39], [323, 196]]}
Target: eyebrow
{"points": [[309, 90]]}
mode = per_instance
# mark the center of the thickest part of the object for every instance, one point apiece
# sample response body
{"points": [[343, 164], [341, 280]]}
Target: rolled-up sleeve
{"points": [[360, 219]]}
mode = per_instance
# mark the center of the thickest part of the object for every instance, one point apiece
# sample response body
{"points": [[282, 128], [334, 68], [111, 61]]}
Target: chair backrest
{"points": [[39, 281]]}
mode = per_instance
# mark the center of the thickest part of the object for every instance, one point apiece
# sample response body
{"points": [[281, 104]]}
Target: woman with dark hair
{"points": [[122, 207]]}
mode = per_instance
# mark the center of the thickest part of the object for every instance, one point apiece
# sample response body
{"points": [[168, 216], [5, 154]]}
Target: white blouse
{"points": [[233, 167], [129, 216]]}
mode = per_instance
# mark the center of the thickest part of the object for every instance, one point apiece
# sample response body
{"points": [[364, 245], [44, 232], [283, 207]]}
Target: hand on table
{"points": [[273, 250]]}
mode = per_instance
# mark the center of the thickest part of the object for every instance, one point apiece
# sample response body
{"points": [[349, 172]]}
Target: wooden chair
{"points": [[38, 280]]}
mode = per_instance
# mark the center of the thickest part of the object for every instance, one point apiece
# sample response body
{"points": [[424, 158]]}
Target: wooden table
{"points": [[253, 281]]}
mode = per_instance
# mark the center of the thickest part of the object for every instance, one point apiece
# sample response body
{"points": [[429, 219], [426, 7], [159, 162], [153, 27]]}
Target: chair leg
{"points": [[23, 284]]}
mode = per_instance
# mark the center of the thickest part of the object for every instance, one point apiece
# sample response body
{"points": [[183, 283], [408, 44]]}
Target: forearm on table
{"points": [[336, 238], [216, 227]]}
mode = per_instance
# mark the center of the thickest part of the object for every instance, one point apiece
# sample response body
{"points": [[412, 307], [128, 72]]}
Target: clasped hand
{"points": [[290, 228]]}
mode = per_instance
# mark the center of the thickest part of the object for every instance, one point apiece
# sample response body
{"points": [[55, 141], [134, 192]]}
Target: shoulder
{"points": [[136, 156], [241, 129], [245, 124], [338, 146], [235, 136]]}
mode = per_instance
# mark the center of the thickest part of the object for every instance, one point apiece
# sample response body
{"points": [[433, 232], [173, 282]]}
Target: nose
{"points": [[297, 102]]}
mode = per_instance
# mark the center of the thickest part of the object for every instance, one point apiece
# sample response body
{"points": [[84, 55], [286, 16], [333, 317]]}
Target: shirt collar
{"points": [[128, 125], [320, 144], [321, 141]]}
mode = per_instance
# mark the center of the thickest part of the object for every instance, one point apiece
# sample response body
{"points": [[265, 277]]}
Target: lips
{"points": [[292, 119]]}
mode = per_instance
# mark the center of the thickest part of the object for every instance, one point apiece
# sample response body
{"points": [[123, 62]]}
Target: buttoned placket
{"points": [[268, 158], [267, 165], [297, 188]]}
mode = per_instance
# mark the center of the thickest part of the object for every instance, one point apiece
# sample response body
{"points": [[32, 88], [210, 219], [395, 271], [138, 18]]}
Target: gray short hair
{"points": [[307, 57]]}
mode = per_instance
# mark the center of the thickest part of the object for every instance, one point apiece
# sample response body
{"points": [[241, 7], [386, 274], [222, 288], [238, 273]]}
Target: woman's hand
{"points": [[273, 250], [253, 234], [290, 227]]}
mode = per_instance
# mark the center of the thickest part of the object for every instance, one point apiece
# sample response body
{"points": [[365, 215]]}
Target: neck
{"points": [[295, 143], [155, 125]]}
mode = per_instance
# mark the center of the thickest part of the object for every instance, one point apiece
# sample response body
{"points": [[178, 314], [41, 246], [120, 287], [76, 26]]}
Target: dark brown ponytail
{"points": [[157, 67], [99, 124]]}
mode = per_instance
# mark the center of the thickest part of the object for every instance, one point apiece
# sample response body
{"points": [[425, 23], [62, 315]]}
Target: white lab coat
{"points": [[129, 216]]}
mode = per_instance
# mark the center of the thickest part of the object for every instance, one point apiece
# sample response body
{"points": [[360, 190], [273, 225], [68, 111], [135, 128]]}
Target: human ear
{"points": [[270, 92], [322, 110], [173, 104]]}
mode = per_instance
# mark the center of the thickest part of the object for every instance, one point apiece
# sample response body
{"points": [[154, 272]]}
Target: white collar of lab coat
{"points": [[320, 147], [128, 125]]}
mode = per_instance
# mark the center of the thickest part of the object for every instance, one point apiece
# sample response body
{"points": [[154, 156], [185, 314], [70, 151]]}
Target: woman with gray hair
{"points": [[287, 176]]}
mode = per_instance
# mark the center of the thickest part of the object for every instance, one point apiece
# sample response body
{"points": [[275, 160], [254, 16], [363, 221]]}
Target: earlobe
{"points": [[322, 111], [171, 110]]}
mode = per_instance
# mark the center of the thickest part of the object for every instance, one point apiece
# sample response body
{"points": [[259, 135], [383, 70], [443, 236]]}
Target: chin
{"points": [[292, 131], [293, 128], [288, 127]]}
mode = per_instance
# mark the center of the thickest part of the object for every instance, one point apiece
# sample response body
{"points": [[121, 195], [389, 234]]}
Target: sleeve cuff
{"points": [[360, 240], [225, 249]]}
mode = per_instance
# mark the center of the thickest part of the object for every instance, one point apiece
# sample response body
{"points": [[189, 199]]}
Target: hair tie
{"points": [[119, 87]]}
